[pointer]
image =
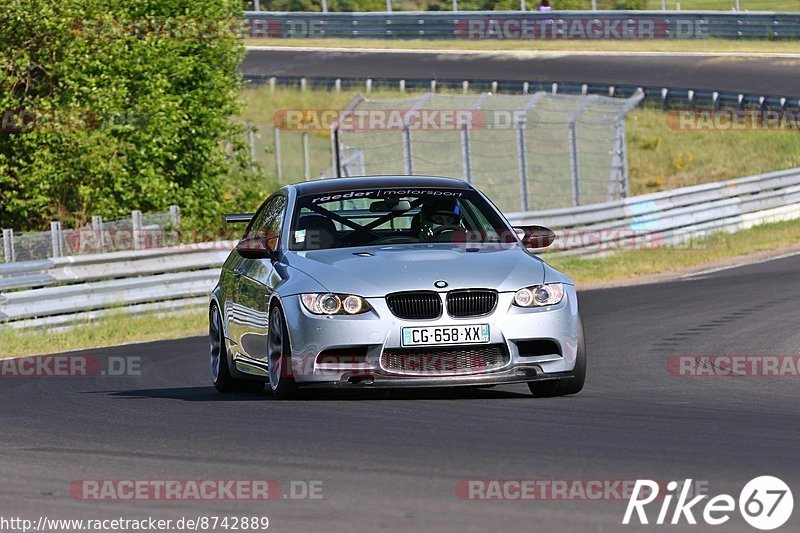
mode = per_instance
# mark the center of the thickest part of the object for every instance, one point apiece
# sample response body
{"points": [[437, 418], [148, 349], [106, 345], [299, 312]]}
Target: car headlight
{"points": [[334, 304], [539, 295]]}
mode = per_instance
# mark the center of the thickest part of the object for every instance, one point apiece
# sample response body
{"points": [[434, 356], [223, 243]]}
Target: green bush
{"points": [[628, 4], [153, 124]]}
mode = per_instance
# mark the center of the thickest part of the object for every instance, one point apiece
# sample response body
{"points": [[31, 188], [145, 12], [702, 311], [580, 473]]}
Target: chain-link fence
{"points": [[534, 151], [137, 232]]}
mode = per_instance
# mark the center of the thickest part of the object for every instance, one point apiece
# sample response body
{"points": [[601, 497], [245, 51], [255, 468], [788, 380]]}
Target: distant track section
{"points": [[757, 75]]}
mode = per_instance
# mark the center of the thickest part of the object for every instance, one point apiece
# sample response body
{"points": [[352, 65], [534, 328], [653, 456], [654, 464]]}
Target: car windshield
{"points": [[393, 216]]}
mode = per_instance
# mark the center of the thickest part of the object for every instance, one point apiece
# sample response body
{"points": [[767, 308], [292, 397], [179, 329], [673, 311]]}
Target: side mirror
{"points": [[535, 236], [256, 248]]}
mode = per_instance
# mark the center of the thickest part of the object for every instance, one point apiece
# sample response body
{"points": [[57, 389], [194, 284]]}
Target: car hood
{"points": [[377, 270]]}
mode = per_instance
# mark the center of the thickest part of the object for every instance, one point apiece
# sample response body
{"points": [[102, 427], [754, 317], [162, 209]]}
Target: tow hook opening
{"points": [[362, 379]]}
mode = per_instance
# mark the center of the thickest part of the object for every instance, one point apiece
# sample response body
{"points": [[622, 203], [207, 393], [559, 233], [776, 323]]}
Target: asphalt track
{"points": [[774, 76], [391, 461]]}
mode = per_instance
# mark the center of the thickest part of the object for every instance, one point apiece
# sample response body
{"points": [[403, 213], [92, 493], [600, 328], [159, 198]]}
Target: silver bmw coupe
{"points": [[391, 281]]}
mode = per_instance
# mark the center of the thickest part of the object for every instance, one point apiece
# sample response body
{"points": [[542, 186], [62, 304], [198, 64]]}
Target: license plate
{"points": [[435, 335]]}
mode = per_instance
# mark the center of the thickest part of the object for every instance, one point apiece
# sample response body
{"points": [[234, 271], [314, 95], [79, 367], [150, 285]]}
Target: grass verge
{"points": [[113, 330], [684, 45], [717, 249]]}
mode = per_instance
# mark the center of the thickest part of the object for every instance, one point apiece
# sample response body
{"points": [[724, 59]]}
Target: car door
{"points": [[256, 280]]}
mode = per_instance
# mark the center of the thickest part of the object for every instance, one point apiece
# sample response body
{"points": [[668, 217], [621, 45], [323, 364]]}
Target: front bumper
{"points": [[372, 333]]}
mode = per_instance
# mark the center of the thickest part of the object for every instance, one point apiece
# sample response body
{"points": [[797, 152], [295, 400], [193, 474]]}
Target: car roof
{"points": [[334, 185]]}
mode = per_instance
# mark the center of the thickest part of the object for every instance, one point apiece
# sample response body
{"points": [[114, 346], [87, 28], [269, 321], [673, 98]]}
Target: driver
{"points": [[436, 213]]}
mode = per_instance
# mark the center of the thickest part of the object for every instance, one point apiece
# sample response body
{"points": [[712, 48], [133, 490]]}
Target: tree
{"points": [[109, 106]]}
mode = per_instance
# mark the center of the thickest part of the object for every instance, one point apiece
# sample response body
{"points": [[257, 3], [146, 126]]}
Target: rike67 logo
{"points": [[765, 503]]}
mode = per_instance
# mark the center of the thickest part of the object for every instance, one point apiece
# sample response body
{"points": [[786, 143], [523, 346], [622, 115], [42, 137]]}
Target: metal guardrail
{"points": [[59, 292], [671, 217], [667, 97], [560, 25]]}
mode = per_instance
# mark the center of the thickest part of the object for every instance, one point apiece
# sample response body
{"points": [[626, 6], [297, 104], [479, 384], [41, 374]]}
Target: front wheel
{"points": [[218, 359], [281, 381], [565, 386]]}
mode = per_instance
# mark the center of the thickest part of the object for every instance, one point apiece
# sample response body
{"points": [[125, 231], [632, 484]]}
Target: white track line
{"points": [[546, 54]]}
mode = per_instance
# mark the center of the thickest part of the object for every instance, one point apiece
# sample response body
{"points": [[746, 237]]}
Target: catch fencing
{"points": [[63, 291], [524, 151], [137, 232]]}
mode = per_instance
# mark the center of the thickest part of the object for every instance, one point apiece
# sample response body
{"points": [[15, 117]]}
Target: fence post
{"points": [[466, 154], [623, 158], [334, 153], [175, 215], [278, 165], [523, 163], [136, 223], [573, 161], [573, 143], [407, 156], [306, 162], [8, 245], [97, 232], [251, 137], [56, 237]]}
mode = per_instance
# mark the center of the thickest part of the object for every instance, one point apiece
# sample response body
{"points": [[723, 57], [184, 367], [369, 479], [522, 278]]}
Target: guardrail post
{"points": [[136, 223], [56, 237], [276, 132], [522, 6], [8, 245], [402, 86], [257, 5], [389, 6], [369, 85], [455, 6], [466, 155], [272, 82], [324, 6], [306, 162], [465, 86], [175, 215], [97, 232], [337, 85]]}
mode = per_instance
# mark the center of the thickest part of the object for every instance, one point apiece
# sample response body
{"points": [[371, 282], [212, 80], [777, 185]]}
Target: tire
{"points": [[218, 360], [281, 381], [565, 386]]}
